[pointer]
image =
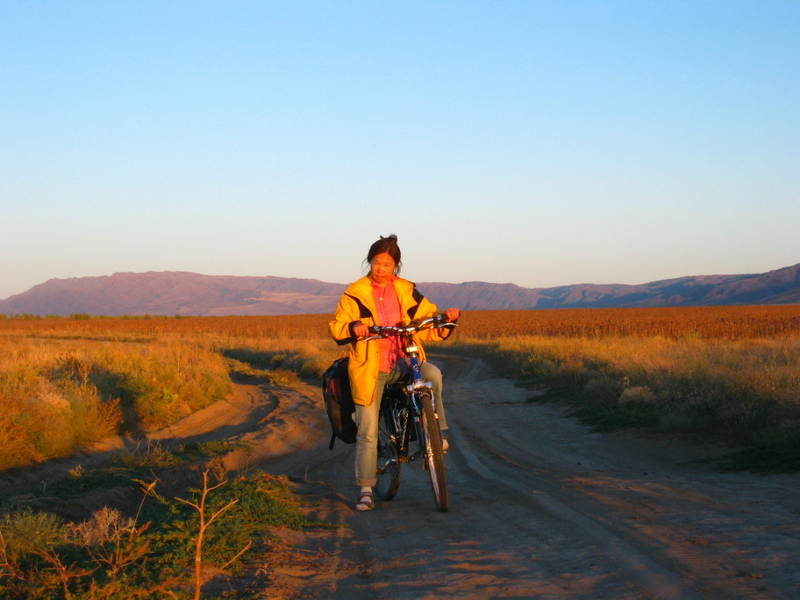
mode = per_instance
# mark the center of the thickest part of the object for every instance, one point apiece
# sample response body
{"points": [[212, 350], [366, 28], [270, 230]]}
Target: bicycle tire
{"points": [[388, 466], [434, 456]]}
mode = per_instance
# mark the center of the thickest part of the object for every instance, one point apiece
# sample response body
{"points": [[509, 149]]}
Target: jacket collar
{"points": [[362, 290]]}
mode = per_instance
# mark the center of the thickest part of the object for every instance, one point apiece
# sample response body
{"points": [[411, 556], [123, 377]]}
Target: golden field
{"points": [[724, 322]]}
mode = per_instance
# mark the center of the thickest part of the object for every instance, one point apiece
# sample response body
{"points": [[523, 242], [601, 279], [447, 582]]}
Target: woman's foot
{"points": [[445, 444], [365, 501]]}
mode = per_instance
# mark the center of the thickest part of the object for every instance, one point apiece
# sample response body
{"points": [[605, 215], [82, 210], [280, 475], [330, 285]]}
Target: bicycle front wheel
{"points": [[388, 467], [431, 442]]}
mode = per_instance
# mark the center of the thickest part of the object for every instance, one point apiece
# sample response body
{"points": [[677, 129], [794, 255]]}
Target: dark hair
{"points": [[386, 245]]}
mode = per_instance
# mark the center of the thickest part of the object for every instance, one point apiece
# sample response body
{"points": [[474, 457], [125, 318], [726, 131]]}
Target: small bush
{"points": [[105, 525], [27, 530], [637, 395], [602, 389], [284, 377]]}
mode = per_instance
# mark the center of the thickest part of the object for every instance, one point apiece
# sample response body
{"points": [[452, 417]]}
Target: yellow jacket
{"points": [[358, 304]]}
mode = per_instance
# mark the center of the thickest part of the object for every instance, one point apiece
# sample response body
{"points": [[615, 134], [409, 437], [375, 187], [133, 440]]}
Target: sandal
{"points": [[365, 501]]}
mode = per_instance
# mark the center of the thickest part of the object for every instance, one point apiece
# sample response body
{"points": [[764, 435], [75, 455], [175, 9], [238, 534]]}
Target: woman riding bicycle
{"points": [[381, 298]]}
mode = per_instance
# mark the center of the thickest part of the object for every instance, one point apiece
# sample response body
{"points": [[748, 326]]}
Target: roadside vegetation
{"points": [[60, 395], [159, 522], [69, 382], [728, 374], [184, 529], [744, 394]]}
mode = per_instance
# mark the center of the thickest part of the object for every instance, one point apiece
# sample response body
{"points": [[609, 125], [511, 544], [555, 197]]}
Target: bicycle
{"points": [[407, 415]]}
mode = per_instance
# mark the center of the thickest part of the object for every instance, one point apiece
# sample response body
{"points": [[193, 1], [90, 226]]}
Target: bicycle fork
{"points": [[421, 434]]}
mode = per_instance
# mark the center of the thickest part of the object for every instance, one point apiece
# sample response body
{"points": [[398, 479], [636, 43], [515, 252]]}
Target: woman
{"points": [[381, 298]]}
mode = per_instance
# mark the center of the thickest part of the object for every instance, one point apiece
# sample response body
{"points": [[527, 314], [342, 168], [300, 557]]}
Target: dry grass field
{"points": [[731, 372]]}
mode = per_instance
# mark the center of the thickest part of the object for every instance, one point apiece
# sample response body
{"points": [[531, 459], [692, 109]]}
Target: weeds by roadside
{"points": [[174, 542], [60, 396], [744, 393]]}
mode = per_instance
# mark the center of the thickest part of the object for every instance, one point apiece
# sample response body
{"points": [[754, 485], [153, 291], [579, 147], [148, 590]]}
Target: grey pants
{"points": [[367, 420]]}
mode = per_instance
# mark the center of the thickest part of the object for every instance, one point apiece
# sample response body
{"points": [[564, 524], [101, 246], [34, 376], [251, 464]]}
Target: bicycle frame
{"points": [[410, 400]]}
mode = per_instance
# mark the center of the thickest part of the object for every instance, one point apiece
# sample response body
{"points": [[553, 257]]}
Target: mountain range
{"points": [[180, 293]]}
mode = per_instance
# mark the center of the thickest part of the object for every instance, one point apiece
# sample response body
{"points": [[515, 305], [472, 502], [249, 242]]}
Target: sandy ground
{"points": [[540, 507]]}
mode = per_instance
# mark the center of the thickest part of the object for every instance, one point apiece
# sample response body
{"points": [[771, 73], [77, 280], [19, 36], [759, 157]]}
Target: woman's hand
{"points": [[452, 315], [360, 330]]}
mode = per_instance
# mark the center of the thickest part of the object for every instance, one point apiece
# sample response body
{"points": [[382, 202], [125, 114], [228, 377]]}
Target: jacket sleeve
{"points": [[341, 328]]}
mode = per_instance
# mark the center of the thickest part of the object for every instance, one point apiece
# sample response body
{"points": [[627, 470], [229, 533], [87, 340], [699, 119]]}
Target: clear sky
{"points": [[540, 143]]}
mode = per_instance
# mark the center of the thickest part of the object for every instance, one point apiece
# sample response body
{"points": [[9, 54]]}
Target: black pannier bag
{"points": [[339, 402]]}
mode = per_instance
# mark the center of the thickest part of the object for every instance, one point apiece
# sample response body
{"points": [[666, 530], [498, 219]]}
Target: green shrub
{"points": [[27, 530]]}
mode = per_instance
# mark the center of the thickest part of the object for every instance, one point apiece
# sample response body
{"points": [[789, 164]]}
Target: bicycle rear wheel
{"points": [[434, 456], [388, 467]]}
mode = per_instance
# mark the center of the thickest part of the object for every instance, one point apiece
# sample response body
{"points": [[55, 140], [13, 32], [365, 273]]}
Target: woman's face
{"points": [[382, 267]]}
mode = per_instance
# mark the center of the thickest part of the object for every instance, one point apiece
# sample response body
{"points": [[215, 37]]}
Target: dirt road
{"points": [[540, 507]]}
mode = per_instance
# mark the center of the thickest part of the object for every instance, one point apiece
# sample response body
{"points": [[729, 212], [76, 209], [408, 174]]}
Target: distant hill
{"points": [[178, 293]]}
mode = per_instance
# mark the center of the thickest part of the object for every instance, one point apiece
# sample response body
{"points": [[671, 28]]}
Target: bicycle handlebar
{"points": [[382, 331]]}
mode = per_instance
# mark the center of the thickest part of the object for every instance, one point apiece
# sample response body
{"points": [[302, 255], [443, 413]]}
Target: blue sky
{"points": [[537, 143]]}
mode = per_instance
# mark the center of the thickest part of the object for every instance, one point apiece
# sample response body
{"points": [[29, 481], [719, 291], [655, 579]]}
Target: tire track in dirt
{"points": [[644, 517]]}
